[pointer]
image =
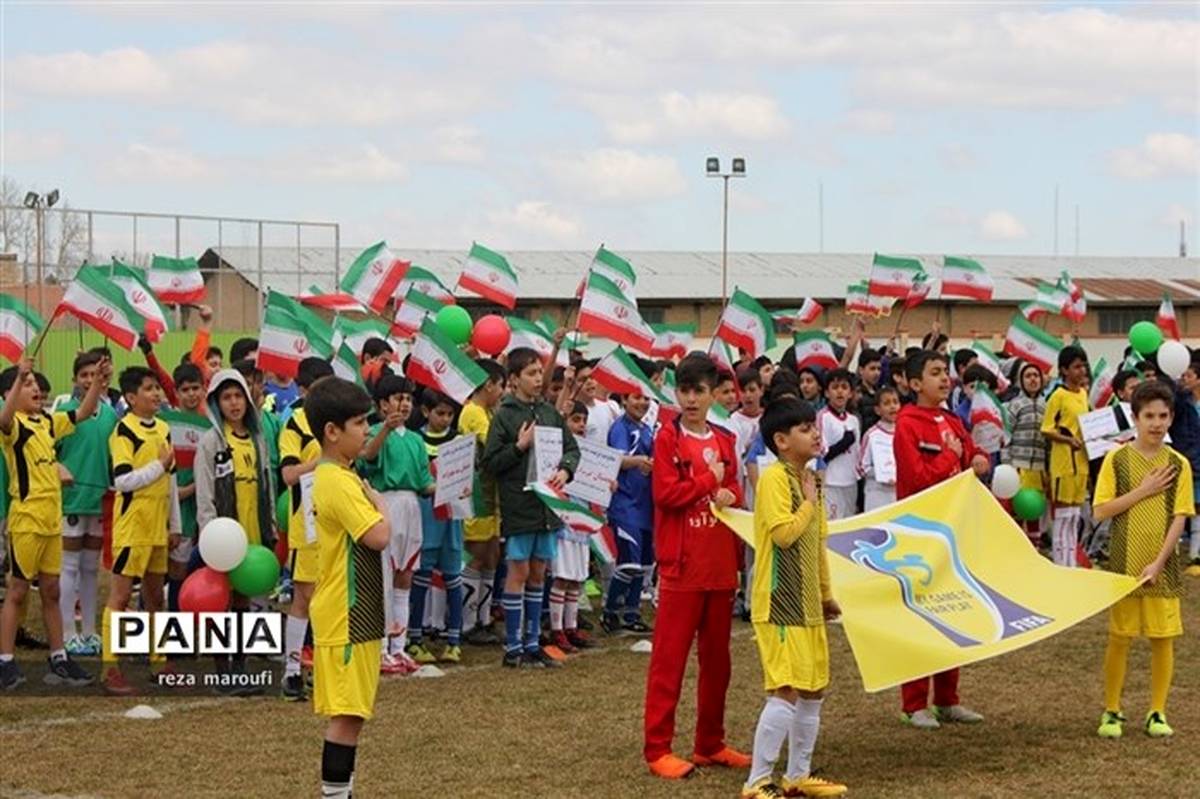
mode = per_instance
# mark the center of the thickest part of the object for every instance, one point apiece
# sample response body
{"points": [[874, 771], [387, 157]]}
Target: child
{"points": [[35, 514], [602, 412], [1145, 487], [812, 386], [745, 418], [481, 534], [347, 605], [525, 521], [870, 369], [397, 466], [145, 513], [299, 452], [840, 433], [792, 600], [1124, 383], [726, 394], [85, 456], [186, 426], [698, 570], [931, 445], [441, 543], [876, 492], [1068, 459], [631, 516], [1026, 449], [570, 567]]}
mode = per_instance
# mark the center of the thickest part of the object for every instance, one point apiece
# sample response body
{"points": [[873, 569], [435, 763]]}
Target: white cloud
{"points": [[534, 222], [615, 175], [127, 71], [151, 163], [1002, 226], [21, 146], [957, 157], [458, 144], [1169, 155], [367, 164], [674, 115], [870, 120]]}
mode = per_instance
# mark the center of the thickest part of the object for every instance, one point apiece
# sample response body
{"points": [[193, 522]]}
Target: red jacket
{"points": [[922, 457], [702, 556]]}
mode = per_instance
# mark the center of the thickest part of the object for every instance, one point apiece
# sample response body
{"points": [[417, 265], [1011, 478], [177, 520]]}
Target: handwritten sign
{"points": [[1102, 432], [455, 470], [547, 454], [306, 507], [598, 467], [883, 459]]}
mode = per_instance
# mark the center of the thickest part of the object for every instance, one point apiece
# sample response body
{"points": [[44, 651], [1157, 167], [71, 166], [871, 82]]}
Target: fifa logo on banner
{"points": [[138, 633]]}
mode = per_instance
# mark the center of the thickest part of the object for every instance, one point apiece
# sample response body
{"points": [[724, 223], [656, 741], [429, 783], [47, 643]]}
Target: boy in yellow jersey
{"points": [[299, 452], [1068, 458], [482, 533], [791, 602], [145, 509], [347, 606], [1145, 487], [35, 514]]}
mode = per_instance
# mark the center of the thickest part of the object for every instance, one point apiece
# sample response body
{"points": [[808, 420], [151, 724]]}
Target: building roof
{"points": [[771, 277]]}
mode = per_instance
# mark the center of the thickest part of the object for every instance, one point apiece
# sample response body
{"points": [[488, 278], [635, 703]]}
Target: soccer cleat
{"points": [[10, 675], [481, 636], [65, 671], [958, 715], [452, 654], [75, 645], [727, 757], [389, 664], [812, 786], [611, 624], [1156, 725], [539, 659], [26, 640], [420, 654], [580, 639], [763, 789], [637, 627], [511, 660], [670, 767], [293, 688], [923, 719], [115, 684], [561, 641], [1110, 724]]}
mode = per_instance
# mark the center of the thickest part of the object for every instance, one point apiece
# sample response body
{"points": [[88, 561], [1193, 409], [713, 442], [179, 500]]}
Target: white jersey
{"points": [[744, 427], [601, 415], [842, 470]]}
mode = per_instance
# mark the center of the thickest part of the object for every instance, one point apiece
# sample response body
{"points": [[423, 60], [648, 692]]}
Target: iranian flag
{"points": [[1166, 320], [987, 409], [815, 348], [488, 274], [670, 399], [1026, 341], [283, 340], [100, 303], [1075, 308], [531, 335], [722, 354], [19, 325], [604, 545], [176, 281], [355, 335], [140, 297], [616, 269], [1050, 299], [857, 299], [427, 283], [893, 277], [718, 416], [963, 277], [747, 325], [672, 340], [411, 312], [618, 373], [373, 277], [917, 292], [337, 302], [806, 314], [605, 311], [186, 429], [1101, 393], [437, 363], [989, 361], [573, 513], [346, 364], [320, 333]]}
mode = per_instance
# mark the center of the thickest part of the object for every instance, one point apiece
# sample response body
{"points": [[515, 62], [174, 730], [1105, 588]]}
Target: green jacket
{"points": [[521, 511]]}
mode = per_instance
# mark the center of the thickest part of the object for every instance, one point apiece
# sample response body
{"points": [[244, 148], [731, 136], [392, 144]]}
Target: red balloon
{"points": [[491, 335], [206, 590]]}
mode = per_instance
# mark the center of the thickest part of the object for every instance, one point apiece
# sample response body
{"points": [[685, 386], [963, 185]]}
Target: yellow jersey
{"points": [[476, 421], [1063, 410], [140, 517], [34, 487], [789, 581], [347, 605], [245, 482], [297, 446]]}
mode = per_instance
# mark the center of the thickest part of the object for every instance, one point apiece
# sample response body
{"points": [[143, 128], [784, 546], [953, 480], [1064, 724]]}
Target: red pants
{"points": [[915, 694], [682, 617]]}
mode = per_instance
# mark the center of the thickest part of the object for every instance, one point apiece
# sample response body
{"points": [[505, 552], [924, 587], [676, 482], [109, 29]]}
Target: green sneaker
{"points": [[453, 654], [1110, 724], [1156, 725], [420, 654]]}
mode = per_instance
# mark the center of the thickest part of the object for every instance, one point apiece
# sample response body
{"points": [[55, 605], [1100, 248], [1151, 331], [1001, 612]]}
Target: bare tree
{"points": [[64, 235]]}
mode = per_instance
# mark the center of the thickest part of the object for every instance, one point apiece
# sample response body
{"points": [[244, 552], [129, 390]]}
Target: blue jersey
{"points": [[632, 506]]}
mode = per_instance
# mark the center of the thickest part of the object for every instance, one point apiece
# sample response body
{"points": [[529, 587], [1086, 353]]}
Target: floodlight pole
{"points": [[713, 170]]}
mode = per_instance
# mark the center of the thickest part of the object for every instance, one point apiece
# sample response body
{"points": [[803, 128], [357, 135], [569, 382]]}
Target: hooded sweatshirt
{"points": [[923, 457], [215, 489]]}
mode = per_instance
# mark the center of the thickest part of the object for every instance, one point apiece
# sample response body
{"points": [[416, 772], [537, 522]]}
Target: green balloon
{"points": [[1028, 504], [1145, 337], [455, 322], [283, 510], [258, 572]]}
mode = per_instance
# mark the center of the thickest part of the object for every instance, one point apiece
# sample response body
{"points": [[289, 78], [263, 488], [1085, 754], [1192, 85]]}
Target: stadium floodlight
{"points": [[713, 167], [32, 200], [739, 166], [52, 197]]}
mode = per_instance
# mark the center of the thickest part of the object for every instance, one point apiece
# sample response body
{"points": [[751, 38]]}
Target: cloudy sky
{"points": [[932, 128]]}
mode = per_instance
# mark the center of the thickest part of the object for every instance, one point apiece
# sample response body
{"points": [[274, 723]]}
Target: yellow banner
{"points": [[945, 578]]}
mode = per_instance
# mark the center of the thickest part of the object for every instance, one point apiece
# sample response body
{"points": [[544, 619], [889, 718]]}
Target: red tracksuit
{"points": [[923, 459], [698, 576]]}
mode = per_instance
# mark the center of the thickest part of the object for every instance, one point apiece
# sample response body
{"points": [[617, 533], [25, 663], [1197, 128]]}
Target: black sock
{"points": [[337, 764], [173, 587]]}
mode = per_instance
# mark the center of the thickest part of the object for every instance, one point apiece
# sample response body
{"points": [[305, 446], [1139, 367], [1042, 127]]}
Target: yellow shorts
{"points": [[1146, 616], [345, 679], [31, 554], [1032, 479], [138, 561], [793, 657], [306, 564], [1068, 489], [485, 528]]}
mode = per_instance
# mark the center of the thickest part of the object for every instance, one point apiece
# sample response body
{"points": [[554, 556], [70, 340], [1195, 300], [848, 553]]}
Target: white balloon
{"points": [[223, 544], [1005, 481], [1173, 359]]}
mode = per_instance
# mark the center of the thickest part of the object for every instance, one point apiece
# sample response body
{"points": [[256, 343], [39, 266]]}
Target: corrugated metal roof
{"points": [[696, 276]]}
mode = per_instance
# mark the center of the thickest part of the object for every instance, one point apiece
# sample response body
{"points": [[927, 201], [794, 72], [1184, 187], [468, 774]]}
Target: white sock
{"points": [[399, 641], [1194, 543], [486, 578], [773, 725], [471, 587], [571, 609], [805, 725], [89, 568], [1065, 536], [294, 639], [557, 600], [68, 587]]}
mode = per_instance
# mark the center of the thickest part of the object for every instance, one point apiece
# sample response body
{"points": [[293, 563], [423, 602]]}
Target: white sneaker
{"points": [[958, 714], [923, 719]]}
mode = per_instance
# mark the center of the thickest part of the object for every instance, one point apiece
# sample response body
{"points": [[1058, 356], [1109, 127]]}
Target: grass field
{"points": [[576, 732]]}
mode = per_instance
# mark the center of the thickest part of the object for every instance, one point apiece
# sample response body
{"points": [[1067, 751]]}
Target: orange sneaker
{"points": [[670, 767], [727, 757]]}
